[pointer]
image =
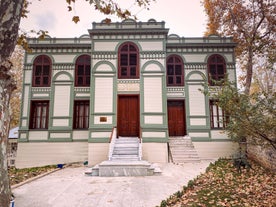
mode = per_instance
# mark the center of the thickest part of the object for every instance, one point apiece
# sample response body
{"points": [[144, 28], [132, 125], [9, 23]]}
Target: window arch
{"points": [[128, 61], [216, 69], [175, 71], [42, 71], [82, 71]]}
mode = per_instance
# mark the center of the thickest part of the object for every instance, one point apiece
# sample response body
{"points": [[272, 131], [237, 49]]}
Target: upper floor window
{"points": [[216, 69], [39, 115], [42, 71], [128, 61], [218, 118], [81, 114], [82, 71], [175, 71]]}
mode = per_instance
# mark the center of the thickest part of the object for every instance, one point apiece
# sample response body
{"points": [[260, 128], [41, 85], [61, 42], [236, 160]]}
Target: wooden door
{"points": [[128, 116], [176, 118]]}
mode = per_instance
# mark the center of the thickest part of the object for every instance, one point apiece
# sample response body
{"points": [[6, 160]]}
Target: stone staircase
{"points": [[182, 150], [126, 148], [125, 160]]}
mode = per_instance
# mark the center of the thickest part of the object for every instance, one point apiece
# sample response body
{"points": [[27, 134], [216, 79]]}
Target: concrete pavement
{"points": [[70, 187]]}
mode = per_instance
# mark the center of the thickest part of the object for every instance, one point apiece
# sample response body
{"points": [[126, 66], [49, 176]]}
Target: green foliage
{"points": [[252, 118]]}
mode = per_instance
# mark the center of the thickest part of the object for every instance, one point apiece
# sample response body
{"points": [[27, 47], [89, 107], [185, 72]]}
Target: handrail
{"points": [[140, 144], [112, 142]]}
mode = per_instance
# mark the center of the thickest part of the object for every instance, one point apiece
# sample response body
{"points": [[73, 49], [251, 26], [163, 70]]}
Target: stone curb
{"points": [[34, 178]]}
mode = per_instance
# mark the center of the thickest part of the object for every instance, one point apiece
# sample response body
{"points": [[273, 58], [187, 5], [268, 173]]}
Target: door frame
{"points": [[184, 115], [138, 112]]}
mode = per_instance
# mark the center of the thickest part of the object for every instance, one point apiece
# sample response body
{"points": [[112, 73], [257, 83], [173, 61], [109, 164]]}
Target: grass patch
{"points": [[20, 175], [222, 185]]}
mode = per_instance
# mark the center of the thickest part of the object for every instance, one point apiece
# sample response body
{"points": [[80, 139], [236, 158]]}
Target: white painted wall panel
{"points": [[105, 46], [215, 150], [198, 134], [24, 123], [197, 122], [44, 153], [196, 101], [100, 134], [59, 135], [68, 58], [196, 58], [62, 100], [104, 67], [25, 101], [153, 67], [83, 134], [103, 94], [30, 58], [28, 77], [151, 46], [38, 135], [154, 134], [63, 77], [153, 119], [155, 152], [41, 95], [60, 122], [97, 152], [219, 134], [153, 94]]}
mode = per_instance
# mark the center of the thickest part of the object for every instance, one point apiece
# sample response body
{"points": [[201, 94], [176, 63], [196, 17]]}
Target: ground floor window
{"points": [[218, 118], [39, 115], [81, 114]]}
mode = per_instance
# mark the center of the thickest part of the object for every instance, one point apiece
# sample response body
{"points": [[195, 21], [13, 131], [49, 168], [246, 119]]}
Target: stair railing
{"points": [[140, 144], [112, 140]]}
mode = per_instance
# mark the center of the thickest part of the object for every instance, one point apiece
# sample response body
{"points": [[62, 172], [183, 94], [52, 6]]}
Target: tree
{"points": [[251, 117], [252, 24], [11, 12]]}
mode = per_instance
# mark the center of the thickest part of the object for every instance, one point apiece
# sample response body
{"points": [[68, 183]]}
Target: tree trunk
{"points": [[10, 15], [249, 71], [6, 88]]}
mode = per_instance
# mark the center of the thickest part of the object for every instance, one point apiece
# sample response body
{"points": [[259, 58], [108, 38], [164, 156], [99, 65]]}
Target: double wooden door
{"points": [[176, 118], [128, 122]]}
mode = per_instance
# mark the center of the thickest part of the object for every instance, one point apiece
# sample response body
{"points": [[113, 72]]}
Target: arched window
{"points": [[42, 71], [216, 69], [175, 71], [82, 71], [128, 61]]}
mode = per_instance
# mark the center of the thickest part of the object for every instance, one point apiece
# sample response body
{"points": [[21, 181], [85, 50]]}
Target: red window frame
{"points": [[81, 114], [128, 64], [39, 115], [216, 69], [175, 71], [42, 71], [82, 71]]}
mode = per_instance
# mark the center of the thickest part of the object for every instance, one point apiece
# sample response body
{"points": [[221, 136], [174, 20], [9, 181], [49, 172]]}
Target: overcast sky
{"points": [[185, 18]]}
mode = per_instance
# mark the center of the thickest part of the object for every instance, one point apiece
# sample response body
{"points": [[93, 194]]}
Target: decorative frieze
{"points": [[175, 91], [64, 66], [104, 55], [82, 89], [41, 89], [128, 85]]}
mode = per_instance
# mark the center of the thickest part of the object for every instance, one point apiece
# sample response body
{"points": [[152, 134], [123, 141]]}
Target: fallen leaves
{"points": [[222, 185]]}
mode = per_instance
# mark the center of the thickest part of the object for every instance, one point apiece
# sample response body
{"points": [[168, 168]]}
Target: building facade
{"points": [[129, 78]]}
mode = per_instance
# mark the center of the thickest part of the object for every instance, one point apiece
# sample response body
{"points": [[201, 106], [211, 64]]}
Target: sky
{"points": [[185, 18]]}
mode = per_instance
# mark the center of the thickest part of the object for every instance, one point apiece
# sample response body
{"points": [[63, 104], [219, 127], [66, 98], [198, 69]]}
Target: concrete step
{"points": [[182, 150]]}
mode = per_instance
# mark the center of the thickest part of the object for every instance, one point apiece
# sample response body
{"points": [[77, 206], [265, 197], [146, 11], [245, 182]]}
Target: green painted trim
{"points": [[60, 140], [154, 140], [162, 67], [94, 68], [54, 78], [22, 140], [210, 140], [98, 140]]}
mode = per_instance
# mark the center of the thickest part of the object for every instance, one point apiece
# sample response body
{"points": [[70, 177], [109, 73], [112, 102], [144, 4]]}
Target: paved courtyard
{"points": [[70, 187]]}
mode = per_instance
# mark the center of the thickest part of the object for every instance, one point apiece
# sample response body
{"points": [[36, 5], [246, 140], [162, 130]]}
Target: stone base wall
{"points": [[266, 157]]}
